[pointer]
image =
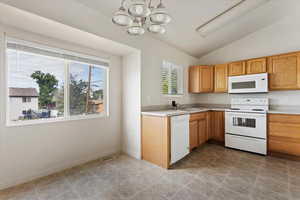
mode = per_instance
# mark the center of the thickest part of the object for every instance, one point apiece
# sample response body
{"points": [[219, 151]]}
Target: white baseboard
{"points": [[132, 152], [54, 169]]}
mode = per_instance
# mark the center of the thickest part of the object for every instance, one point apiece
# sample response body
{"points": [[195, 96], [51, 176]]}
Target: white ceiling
{"points": [[188, 15]]}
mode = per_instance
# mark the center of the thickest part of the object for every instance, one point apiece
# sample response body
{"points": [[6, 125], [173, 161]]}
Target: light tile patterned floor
{"points": [[209, 173]]}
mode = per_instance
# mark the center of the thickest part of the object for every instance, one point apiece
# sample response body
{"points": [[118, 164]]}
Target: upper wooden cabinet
{"points": [[194, 79], [221, 78], [237, 68], [284, 72], [201, 79], [256, 66]]}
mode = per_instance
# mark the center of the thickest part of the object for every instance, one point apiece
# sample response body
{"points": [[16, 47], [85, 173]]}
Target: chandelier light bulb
{"points": [[122, 18], [136, 28], [139, 8], [160, 16], [138, 16], [157, 29]]}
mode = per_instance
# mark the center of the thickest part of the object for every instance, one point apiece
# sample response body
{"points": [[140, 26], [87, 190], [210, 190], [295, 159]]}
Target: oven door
{"points": [[246, 124], [256, 83]]}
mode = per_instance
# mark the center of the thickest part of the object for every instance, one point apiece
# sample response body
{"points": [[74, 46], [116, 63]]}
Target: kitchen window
{"points": [[171, 79], [47, 84]]}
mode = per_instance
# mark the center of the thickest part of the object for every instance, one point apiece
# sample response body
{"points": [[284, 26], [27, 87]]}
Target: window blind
{"points": [[171, 79], [48, 51]]}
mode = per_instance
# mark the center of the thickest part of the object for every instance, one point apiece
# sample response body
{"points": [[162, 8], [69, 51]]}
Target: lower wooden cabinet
{"points": [[217, 126], [156, 140], [203, 130], [284, 134], [194, 134], [199, 128]]}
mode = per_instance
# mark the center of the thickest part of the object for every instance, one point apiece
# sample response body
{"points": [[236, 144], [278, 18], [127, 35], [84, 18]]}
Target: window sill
{"points": [[173, 95], [55, 120]]}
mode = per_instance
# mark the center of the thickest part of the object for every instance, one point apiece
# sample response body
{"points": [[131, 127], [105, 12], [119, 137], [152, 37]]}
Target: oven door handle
{"points": [[249, 115]]}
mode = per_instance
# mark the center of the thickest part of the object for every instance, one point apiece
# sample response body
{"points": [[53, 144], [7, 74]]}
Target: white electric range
{"points": [[246, 124]]}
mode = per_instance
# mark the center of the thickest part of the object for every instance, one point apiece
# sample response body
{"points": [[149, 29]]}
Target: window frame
{"points": [[181, 75], [26, 99], [66, 116]]}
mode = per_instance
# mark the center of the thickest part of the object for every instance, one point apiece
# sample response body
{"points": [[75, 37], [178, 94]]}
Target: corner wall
{"points": [[131, 118], [31, 151]]}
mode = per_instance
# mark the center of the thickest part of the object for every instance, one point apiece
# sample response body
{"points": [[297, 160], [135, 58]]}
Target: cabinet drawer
{"points": [[287, 130], [284, 145], [198, 116], [283, 118]]}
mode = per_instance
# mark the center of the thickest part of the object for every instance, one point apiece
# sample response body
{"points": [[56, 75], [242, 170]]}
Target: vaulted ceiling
{"points": [[188, 15]]}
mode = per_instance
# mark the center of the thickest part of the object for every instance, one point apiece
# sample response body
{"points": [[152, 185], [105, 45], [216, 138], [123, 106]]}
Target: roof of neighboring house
{"points": [[23, 92]]}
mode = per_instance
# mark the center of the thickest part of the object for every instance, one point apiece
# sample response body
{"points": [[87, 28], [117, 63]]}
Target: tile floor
{"points": [[209, 173]]}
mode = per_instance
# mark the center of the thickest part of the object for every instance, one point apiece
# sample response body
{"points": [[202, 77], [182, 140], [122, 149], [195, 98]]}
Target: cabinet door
{"points": [[194, 79], [206, 79], [221, 78], [256, 66], [237, 68], [202, 127], [284, 134], [193, 134], [218, 126], [284, 72]]}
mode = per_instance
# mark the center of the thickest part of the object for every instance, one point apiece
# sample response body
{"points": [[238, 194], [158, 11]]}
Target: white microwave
{"points": [[255, 83]]}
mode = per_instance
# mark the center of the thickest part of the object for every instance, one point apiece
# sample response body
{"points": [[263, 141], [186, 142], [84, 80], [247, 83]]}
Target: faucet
{"points": [[175, 105]]}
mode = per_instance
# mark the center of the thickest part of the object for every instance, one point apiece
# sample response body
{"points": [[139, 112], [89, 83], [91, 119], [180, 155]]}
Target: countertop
{"points": [[168, 113], [291, 110]]}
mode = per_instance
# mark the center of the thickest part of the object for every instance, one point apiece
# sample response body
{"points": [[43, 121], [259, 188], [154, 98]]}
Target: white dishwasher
{"points": [[180, 137]]}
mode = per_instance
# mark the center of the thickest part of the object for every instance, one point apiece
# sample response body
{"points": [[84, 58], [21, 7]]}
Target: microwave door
{"points": [[257, 83]]}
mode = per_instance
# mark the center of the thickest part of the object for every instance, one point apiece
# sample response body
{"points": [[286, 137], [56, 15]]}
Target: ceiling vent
{"points": [[237, 10]]}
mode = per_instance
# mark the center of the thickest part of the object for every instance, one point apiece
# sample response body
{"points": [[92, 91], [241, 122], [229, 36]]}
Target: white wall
{"points": [[277, 98], [16, 106], [31, 151], [280, 37], [153, 51], [131, 137]]}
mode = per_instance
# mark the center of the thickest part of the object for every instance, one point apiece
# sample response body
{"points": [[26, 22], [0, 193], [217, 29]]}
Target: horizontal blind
{"points": [[47, 51], [171, 79], [165, 77]]}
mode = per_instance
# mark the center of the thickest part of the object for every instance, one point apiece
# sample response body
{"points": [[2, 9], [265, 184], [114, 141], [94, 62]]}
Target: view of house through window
{"points": [[38, 87]]}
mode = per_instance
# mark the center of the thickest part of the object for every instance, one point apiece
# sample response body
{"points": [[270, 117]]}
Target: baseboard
{"points": [[285, 156], [132, 152], [54, 169], [211, 141]]}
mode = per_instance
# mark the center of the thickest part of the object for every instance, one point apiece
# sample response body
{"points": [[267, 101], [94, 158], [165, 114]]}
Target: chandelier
{"points": [[138, 16]]}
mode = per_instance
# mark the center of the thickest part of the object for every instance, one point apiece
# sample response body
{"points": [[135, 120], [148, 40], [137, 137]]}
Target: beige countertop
{"points": [[168, 113], [292, 110]]}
